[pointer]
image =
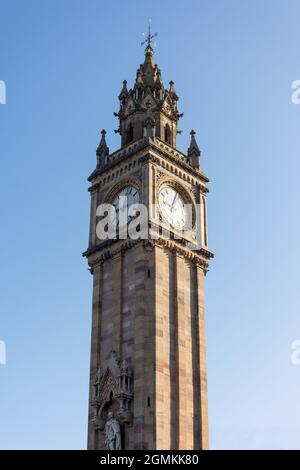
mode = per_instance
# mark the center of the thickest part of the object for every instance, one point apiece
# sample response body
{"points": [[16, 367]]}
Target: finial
{"points": [[102, 151], [124, 90], [193, 151], [149, 37], [103, 145], [172, 87]]}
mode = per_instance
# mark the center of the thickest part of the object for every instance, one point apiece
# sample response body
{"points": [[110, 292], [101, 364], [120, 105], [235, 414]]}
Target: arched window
{"points": [[168, 134], [140, 93], [129, 133]]}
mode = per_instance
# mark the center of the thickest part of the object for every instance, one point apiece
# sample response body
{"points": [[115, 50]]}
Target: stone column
{"points": [[203, 417], [162, 348], [92, 233], [95, 347], [174, 363], [117, 302], [182, 359]]}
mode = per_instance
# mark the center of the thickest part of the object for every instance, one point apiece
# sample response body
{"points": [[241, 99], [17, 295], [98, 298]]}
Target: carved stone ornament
{"points": [[159, 175], [113, 391]]}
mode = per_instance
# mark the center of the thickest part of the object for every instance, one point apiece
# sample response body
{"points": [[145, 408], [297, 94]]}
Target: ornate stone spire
{"points": [[102, 151], [148, 109], [193, 151]]}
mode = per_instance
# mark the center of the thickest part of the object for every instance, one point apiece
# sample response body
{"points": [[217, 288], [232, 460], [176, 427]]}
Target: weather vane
{"points": [[149, 37]]}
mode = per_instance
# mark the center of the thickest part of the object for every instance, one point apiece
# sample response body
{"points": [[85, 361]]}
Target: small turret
{"points": [[193, 151], [124, 92], [102, 151], [172, 90]]}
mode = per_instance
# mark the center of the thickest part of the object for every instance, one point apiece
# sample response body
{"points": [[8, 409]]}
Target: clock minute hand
{"points": [[172, 205]]}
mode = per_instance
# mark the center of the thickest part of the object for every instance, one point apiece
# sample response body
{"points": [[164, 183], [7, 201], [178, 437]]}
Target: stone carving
{"points": [[113, 388], [159, 175], [149, 127], [112, 433]]}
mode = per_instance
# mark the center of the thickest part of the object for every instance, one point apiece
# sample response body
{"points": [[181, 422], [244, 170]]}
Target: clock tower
{"points": [[148, 385]]}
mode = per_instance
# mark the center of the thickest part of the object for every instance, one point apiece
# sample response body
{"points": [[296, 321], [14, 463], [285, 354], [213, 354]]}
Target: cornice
{"points": [[142, 110], [154, 159], [110, 249], [170, 153], [175, 156], [120, 156]]}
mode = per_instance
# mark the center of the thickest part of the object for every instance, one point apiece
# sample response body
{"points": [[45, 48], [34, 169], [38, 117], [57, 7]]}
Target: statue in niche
{"points": [[112, 433]]}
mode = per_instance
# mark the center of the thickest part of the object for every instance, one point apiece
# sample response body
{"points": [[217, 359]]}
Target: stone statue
{"points": [[112, 433]]}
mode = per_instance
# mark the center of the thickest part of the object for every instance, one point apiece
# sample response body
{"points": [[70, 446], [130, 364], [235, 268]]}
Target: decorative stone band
{"points": [[166, 150], [158, 109], [101, 254]]}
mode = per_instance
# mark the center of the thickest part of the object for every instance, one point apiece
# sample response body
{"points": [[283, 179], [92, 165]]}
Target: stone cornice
{"points": [[167, 151], [120, 156], [142, 110], [99, 254], [154, 159], [175, 156]]}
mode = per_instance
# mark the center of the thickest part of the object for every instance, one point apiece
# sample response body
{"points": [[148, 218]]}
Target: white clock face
{"points": [[172, 208], [126, 197]]}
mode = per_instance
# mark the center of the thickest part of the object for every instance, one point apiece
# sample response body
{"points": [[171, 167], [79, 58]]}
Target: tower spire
{"points": [[148, 109]]}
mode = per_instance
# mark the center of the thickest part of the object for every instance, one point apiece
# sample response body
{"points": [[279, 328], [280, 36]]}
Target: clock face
{"points": [[172, 208], [126, 197]]}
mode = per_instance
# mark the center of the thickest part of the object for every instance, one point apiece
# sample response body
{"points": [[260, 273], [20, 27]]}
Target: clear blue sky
{"points": [[232, 63]]}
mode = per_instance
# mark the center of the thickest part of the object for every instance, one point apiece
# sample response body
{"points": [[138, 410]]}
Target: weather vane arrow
{"points": [[149, 37]]}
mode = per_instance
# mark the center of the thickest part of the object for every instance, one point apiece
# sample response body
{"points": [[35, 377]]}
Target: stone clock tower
{"points": [[148, 372]]}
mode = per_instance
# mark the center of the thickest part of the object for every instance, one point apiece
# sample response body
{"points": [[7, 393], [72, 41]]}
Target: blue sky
{"points": [[233, 63]]}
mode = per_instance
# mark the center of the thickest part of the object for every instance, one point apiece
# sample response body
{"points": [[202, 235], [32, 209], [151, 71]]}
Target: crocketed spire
{"points": [[193, 151], [124, 91], [102, 151], [148, 110], [148, 101]]}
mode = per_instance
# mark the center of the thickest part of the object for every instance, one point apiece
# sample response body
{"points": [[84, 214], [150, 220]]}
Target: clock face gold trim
{"points": [[171, 205]]}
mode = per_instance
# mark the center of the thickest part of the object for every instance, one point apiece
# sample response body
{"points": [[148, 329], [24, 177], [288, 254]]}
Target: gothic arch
{"points": [[129, 133], [168, 134], [112, 192]]}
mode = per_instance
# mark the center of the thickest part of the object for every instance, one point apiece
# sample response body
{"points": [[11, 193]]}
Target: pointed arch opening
{"points": [[168, 134], [129, 133]]}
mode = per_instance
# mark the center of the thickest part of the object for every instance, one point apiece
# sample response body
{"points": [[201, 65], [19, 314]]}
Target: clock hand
{"points": [[172, 206]]}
